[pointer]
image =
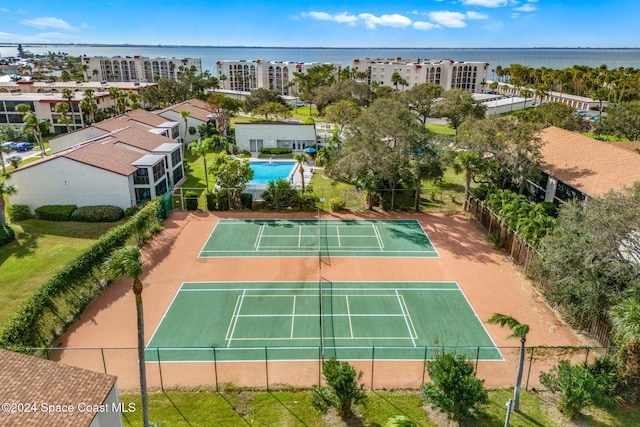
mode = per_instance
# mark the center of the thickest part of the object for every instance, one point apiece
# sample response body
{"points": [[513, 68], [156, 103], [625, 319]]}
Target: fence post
{"points": [[526, 387], [586, 358], [266, 366], [215, 368], [160, 369], [104, 363], [373, 358], [424, 363], [477, 357]]}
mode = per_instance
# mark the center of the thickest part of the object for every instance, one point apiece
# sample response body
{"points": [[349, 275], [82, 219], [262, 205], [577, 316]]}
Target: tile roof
{"points": [[146, 117], [105, 155], [29, 379], [591, 166], [199, 109], [140, 137]]}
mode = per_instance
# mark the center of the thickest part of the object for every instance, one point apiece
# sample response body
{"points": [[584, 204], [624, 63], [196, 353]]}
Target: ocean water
{"points": [[533, 57]]}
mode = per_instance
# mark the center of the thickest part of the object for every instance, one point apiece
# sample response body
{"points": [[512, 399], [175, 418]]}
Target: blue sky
{"points": [[400, 23]]}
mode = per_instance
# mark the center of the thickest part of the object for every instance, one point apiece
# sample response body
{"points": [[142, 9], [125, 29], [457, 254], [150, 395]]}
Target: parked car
{"points": [[24, 146], [9, 146]]}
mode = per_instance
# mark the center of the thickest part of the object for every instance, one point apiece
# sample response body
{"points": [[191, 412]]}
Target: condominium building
{"points": [[444, 72], [136, 68], [246, 76]]}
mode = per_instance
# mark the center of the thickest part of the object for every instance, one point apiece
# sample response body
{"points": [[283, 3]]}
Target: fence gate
{"points": [[166, 206]]}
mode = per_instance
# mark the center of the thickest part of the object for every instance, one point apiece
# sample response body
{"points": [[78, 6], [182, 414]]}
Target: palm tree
{"points": [[63, 109], [89, 104], [200, 148], [471, 163], [185, 114], [223, 78], [5, 190], [33, 124], [301, 158], [518, 330], [127, 262], [625, 319]]}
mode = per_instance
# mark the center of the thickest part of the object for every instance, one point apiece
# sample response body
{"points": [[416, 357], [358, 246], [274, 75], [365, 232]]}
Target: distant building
{"points": [[245, 76], [42, 96], [136, 68], [447, 73], [47, 393]]}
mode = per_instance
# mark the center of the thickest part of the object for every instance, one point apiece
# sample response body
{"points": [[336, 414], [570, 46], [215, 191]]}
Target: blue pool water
{"points": [[265, 172]]}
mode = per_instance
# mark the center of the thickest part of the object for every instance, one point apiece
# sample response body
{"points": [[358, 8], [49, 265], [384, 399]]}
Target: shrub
{"points": [[191, 200], [308, 200], [336, 204], [102, 213], [131, 211], [454, 388], [276, 150], [279, 195], [577, 387], [246, 200], [212, 201], [55, 212], [245, 154], [222, 197], [20, 212], [343, 389], [7, 235]]}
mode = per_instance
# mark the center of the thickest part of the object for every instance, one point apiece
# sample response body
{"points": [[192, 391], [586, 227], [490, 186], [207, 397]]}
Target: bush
{"points": [[191, 200], [20, 212], [246, 200], [336, 204], [577, 387], [308, 200], [131, 211], [222, 200], [280, 195], [55, 212], [212, 201], [103, 213], [245, 154], [342, 389], [276, 150], [454, 388], [7, 235]]}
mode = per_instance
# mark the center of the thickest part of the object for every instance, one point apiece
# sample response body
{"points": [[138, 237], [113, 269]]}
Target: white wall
{"points": [[61, 181], [273, 132], [110, 418], [171, 115]]}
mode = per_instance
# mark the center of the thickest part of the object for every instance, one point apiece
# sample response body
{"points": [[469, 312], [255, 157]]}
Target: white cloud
{"points": [[526, 8], [449, 19], [476, 15], [393, 20], [421, 25], [343, 18], [486, 3], [49, 22]]}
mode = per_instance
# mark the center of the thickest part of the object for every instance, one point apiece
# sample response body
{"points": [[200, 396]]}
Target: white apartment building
{"points": [[447, 73], [245, 76], [41, 97], [136, 68]]}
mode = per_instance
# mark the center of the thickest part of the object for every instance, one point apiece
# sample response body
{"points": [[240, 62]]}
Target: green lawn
{"points": [[42, 248], [233, 407], [444, 129]]}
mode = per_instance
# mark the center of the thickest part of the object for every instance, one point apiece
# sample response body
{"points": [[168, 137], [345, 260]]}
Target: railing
{"points": [[269, 368]]}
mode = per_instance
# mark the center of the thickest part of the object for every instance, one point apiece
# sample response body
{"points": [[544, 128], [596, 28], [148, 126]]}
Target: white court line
{"points": [[405, 318], [338, 234], [259, 237], [208, 238], [346, 297], [293, 315], [236, 321], [324, 315], [375, 231], [415, 333], [165, 314]]}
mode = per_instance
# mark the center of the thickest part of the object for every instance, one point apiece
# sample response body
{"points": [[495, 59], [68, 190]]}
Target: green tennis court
{"points": [[281, 321], [384, 238]]}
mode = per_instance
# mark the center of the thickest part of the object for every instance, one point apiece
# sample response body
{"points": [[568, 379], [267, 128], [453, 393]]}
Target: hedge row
{"points": [[276, 150], [7, 235], [62, 298], [100, 213]]}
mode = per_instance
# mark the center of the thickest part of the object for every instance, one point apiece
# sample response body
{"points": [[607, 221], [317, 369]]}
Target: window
{"points": [[161, 187], [142, 195], [141, 177], [177, 175], [176, 157], [158, 171]]}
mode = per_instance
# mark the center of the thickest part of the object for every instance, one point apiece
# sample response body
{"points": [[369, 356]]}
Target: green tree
{"points": [[577, 388], [184, 115], [421, 99], [471, 163], [272, 109], [457, 105], [343, 388], [232, 175], [34, 126], [625, 319], [5, 190], [519, 331], [454, 388], [224, 108], [342, 113], [308, 82], [200, 148], [622, 120], [127, 262], [89, 105], [62, 108], [261, 96], [397, 79]]}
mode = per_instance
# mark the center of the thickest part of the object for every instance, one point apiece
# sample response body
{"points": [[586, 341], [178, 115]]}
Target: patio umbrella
{"points": [[309, 150]]}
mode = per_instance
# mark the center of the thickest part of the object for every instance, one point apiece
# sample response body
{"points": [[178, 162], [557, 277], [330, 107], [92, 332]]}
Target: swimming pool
{"points": [[265, 172]]}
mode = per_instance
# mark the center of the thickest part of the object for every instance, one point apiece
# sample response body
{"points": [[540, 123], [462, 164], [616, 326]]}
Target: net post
{"points": [[215, 368], [373, 359], [526, 387], [266, 366], [424, 363]]}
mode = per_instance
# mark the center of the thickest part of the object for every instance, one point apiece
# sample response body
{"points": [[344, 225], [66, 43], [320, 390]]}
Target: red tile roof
{"points": [[29, 379], [591, 166]]}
